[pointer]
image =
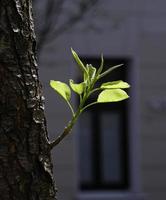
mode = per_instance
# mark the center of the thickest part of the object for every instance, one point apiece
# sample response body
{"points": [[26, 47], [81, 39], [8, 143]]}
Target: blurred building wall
{"points": [[132, 28]]}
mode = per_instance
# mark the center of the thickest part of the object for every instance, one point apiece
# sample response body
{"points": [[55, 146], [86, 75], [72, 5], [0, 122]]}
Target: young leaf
{"points": [[115, 85], [91, 71], [62, 89], [113, 95], [109, 70], [86, 77], [101, 65], [77, 87], [78, 61]]}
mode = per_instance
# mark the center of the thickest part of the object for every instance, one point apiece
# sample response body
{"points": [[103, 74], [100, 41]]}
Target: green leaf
{"points": [[109, 70], [101, 65], [77, 87], [115, 85], [91, 71], [113, 95], [62, 89], [78, 61], [86, 77]]}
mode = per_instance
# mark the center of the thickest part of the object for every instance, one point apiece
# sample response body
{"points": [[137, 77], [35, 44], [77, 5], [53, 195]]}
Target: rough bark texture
{"points": [[25, 161]]}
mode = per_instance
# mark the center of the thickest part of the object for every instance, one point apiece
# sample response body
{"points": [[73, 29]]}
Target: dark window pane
{"points": [[110, 147], [85, 148]]}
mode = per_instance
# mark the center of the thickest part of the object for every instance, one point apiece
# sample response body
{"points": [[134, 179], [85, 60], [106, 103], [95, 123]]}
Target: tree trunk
{"points": [[25, 158]]}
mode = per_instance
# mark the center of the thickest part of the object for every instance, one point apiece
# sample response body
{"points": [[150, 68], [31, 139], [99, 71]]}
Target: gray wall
{"points": [[136, 29]]}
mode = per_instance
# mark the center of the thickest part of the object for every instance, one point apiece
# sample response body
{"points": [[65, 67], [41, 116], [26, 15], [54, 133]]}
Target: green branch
{"points": [[89, 105], [71, 108], [111, 91]]}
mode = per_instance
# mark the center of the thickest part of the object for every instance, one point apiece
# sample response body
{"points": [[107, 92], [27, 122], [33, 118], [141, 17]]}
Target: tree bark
{"points": [[25, 158]]}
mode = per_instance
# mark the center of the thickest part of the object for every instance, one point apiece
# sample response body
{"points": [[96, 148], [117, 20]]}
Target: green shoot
{"points": [[110, 91]]}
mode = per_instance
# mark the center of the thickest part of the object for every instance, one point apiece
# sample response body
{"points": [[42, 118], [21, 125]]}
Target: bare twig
{"points": [[53, 27]]}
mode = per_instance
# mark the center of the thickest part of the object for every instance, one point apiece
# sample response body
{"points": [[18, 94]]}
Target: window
{"points": [[103, 139]]}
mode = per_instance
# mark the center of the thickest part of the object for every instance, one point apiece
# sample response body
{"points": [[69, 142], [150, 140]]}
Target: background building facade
{"points": [[131, 30]]}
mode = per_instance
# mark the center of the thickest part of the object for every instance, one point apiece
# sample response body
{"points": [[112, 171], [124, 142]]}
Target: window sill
{"points": [[110, 196]]}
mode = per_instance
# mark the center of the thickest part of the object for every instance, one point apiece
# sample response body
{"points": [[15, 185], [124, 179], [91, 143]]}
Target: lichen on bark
{"points": [[25, 158]]}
